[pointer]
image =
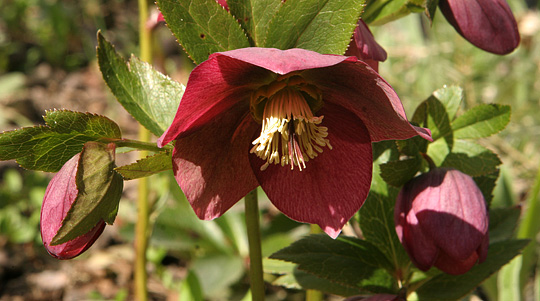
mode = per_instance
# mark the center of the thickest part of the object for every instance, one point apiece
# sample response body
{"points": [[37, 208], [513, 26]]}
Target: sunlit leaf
{"points": [[149, 96], [146, 167], [202, 27], [48, 147], [481, 121], [324, 26]]}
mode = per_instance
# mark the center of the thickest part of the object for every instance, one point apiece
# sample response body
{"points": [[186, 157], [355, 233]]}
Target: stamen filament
{"points": [[290, 133]]}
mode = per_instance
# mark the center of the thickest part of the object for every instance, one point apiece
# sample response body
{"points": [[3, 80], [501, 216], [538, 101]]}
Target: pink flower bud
{"points": [[60, 194], [487, 24], [364, 46], [441, 220]]}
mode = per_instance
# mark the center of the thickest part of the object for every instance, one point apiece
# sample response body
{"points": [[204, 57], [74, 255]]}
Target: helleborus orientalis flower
{"points": [[79, 200], [298, 123], [487, 24], [364, 46], [59, 196], [442, 221]]}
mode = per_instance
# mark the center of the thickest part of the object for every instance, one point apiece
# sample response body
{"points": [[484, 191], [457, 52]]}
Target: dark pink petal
{"points": [[362, 91], [211, 165], [214, 87], [452, 211], [488, 24], [334, 185], [60, 194], [364, 46], [284, 61], [421, 249], [452, 266]]}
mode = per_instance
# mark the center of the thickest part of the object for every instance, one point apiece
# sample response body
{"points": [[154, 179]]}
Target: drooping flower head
{"points": [[441, 220], [59, 196], [364, 46], [487, 24], [298, 123]]}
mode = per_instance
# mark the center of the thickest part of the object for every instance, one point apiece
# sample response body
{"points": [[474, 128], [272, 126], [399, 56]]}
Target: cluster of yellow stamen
{"points": [[290, 134]]}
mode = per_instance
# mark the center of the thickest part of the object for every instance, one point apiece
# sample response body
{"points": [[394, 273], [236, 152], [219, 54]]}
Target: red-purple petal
{"points": [[422, 251], [284, 61], [450, 213], [364, 46], [211, 165], [213, 88], [488, 24], [453, 266], [362, 91], [59, 195], [334, 185]]}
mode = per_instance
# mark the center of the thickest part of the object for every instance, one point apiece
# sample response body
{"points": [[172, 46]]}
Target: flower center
{"points": [[290, 133]]}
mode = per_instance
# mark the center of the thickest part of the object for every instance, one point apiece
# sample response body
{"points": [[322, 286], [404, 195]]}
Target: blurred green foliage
{"points": [[21, 193], [59, 32]]}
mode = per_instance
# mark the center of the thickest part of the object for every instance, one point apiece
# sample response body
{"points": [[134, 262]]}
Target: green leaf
{"points": [[377, 221], [412, 146], [254, 16], [346, 260], [324, 26], [149, 96], [486, 183], [99, 191], [147, 166], [191, 288], [450, 96], [397, 173], [431, 8], [216, 273], [502, 223], [382, 11], [481, 121], [202, 27], [448, 287], [472, 159], [293, 278], [432, 114], [438, 150], [48, 147]]}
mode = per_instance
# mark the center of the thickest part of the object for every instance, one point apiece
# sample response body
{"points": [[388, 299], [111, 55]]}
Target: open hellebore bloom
{"points": [[441, 220], [487, 24], [298, 123], [364, 46], [60, 194]]}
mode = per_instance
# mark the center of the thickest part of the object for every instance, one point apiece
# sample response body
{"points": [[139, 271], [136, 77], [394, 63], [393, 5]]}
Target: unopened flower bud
{"points": [[442, 221], [59, 196], [364, 46], [487, 24]]}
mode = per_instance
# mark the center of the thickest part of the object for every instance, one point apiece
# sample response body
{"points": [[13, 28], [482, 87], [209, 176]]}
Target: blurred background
{"points": [[48, 61]]}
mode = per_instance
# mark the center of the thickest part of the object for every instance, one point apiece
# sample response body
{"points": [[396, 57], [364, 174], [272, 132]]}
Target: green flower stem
{"points": [[143, 216], [314, 295], [254, 241], [140, 145]]}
